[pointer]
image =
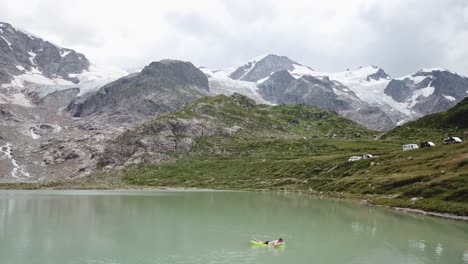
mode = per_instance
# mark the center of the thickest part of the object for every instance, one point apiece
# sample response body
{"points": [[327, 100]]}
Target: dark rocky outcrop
{"points": [[283, 88], [160, 87], [155, 142], [398, 90], [379, 74]]}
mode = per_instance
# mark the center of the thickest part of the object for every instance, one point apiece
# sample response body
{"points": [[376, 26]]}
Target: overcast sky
{"points": [[401, 36]]}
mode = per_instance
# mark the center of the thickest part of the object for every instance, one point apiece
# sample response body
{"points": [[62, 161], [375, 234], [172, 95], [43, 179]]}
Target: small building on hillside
{"points": [[365, 156], [452, 140], [355, 158], [410, 147], [427, 144]]}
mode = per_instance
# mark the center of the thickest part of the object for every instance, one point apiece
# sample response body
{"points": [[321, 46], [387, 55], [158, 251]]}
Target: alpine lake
{"points": [[203, 226]]}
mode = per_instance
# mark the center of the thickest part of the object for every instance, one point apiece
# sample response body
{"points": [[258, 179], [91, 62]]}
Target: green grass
{"points": [[301, 148], [304, 148], [434, 127], [439, 175]]}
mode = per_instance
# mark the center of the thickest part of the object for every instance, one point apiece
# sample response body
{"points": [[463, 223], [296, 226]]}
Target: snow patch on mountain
{"points": [[32, 56], [64, 53], [34, 81], [18, 172], [96, 77], [367, 89], [300, 70], [7, 42], [414, 78], [34, 135], [425, 92], [221, 83], [450, 98], [251, 64], [92, 80], [429, 70]]}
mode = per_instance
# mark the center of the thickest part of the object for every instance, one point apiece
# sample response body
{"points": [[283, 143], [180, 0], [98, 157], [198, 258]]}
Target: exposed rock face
{"points": [[429, 91], [380, 74], [59, 99], [372, 116], [21, 52], [256, 70], [283, 88], [398, 90], [155, 142], [280, 80], [161, 87], [387, 102], [165, 138]]}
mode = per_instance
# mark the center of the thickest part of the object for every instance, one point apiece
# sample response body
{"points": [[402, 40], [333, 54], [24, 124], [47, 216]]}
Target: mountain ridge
{"points": [[398, 98], [160, 87]]}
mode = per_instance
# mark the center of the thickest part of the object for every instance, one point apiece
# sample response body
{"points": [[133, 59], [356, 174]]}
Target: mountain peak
{"points": [[25, 54], [369, 73], [4, 24], [160, 87], [434, 70], [263, 66]]}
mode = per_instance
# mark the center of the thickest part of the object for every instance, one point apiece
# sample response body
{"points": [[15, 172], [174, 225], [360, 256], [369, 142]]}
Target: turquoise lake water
{"points": [[142, 227]]}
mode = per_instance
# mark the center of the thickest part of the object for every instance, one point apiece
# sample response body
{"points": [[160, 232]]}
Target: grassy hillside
{"points": [[435, 127], [268, 120], [306, 149], [288, 147]]}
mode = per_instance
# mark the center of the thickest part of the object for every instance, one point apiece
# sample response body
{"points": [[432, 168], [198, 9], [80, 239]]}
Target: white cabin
{"points": [[355, 158], [410, 147]]}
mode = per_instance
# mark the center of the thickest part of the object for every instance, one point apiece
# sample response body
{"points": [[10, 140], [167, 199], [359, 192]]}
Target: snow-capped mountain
{"points": [[370, 88], [36, 67], [161, 87], [221, 83], [285, 88], [38, 79], [262, 67], [58, 110], [369, 83], [429, 90], [23, 53]]}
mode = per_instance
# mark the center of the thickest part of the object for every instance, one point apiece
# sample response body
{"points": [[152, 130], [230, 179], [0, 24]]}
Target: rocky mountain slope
{"points": [[58, 111], [262, 67], [23, 53], [38, 79], [283, 88], [384, 102], [429, 90], [162, 139], [160, 87], [31, 68]]}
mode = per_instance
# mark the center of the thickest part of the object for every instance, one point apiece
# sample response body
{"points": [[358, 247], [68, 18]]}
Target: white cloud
{"points": [[400, 36]]}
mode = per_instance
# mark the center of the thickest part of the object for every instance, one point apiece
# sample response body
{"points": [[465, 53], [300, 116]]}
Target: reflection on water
{"points": [[364, 229], [439, 249], [417, 244], [215, 227]]}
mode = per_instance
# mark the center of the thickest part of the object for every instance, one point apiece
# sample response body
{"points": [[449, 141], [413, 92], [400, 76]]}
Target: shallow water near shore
{"points": [[194, 226]]}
